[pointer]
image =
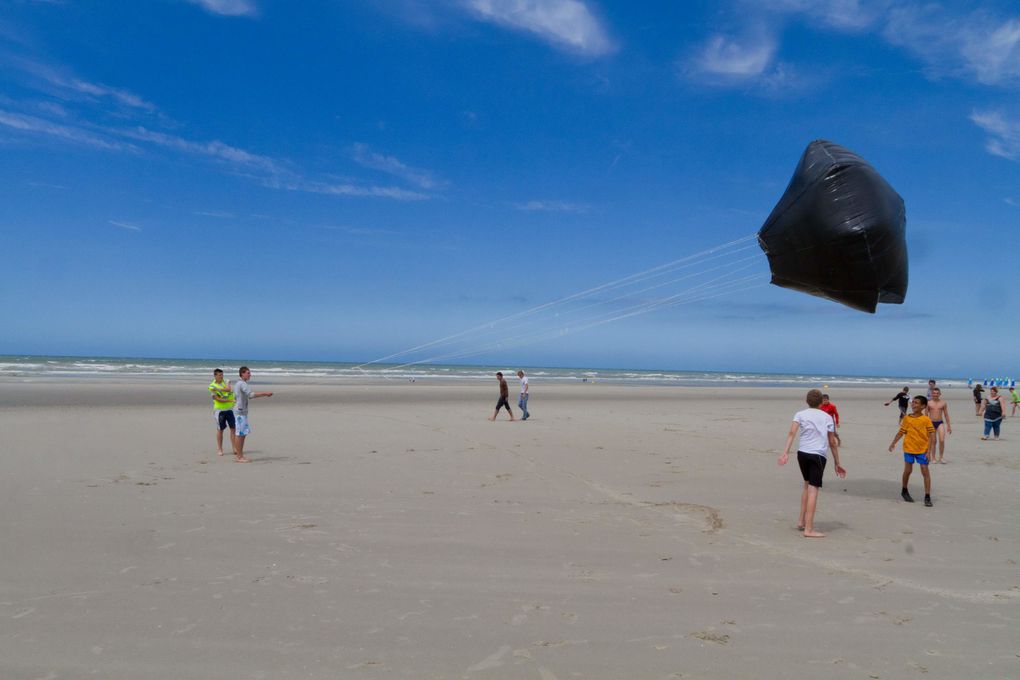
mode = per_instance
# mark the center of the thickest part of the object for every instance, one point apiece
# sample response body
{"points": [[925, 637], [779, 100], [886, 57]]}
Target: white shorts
{"points": [[243, 426]]}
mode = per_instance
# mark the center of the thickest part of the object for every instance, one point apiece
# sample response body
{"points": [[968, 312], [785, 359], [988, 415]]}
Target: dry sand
{"points": [[392, 531]]}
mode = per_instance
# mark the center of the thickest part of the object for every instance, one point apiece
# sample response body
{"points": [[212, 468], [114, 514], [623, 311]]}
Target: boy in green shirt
{"points": [[223, 409]]}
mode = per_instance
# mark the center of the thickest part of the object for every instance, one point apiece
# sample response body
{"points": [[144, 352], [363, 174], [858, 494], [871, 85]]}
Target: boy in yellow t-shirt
{"points": [[918, 443]]}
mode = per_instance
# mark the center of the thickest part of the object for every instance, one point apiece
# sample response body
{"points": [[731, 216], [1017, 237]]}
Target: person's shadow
{"points": [[879, 489]]}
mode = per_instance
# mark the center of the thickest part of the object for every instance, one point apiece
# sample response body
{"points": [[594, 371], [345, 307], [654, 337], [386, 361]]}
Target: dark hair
{"points": [[814, 398], [218, 370], [499, 374], [825, 396], [921, 398], [932, 381], [241, 370]]}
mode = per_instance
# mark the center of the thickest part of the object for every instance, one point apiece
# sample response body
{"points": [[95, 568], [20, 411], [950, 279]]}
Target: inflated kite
{"points": [[839, 231]]}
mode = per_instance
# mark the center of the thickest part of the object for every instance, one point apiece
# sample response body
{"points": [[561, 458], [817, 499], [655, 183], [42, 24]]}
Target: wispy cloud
{"points": [[974, 45], [553, 206], [218, 214], [230, 8], [843, 14], [83, 116], [125, 225], [1003, 133], [66, 133], [951, 40], [69, 87], [1012, 201], [361, 231], [749, 61], [214, 149], [567, 24], [341, 188], [365, 157], [731, 58]]}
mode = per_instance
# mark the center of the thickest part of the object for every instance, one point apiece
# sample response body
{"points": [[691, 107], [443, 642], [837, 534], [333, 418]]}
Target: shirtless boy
{"points": [[938, 412]]}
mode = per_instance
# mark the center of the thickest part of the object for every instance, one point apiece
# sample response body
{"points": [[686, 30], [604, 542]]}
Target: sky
{"points": [[339, 180]]}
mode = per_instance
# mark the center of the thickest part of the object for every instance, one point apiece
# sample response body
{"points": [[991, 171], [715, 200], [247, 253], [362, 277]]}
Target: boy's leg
{"points": [[927, 480], [219, 441], [809, 514], [941, 432], [233, 440], [803, 506], [907, 469]]}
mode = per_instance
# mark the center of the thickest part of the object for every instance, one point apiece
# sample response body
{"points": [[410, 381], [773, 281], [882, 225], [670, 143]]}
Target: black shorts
{"points": [[812, 466], [226, 419], [503, 402]]}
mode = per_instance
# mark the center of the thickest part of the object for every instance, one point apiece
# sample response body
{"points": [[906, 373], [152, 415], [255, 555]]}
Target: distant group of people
{"points": [[924, 424], [230, 410], [504, 397], [230, 407]]}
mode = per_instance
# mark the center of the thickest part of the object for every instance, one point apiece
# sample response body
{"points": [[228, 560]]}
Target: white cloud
{"points": [[376, 161], [341, 188], [230, 8], [121, 96], [214, 149], [565, 23], [730, 58], [553, 206], [975, 45], [1004, 134], [67, 133], [61, 84], [125, 225], [842, 14]]}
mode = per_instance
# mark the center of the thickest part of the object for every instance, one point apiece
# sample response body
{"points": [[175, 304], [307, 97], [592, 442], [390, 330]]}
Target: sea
{"points": [[29, 368]]}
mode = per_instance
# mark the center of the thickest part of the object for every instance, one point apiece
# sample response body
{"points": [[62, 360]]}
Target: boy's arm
{"points": [[895, 439], [834, 447], [945, 417], [794, 426]]}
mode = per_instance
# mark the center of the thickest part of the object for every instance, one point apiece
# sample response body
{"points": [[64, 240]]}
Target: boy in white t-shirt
{"points": [[817, 437]]}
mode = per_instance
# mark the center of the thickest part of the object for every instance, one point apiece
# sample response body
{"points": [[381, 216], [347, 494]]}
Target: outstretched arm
{"points": [[789, 442]]}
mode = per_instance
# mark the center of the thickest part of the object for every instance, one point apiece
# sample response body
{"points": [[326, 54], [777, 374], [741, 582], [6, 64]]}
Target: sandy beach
{"points": [[391, 531]]}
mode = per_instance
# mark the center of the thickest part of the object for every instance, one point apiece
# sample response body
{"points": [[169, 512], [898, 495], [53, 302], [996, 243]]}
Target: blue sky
{"points": [[340, 180]]}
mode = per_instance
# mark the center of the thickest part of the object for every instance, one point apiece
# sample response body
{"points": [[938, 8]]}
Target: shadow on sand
{"points": [[879, 489]]}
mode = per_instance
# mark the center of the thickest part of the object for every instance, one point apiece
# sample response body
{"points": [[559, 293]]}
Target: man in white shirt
{"points": [[523, 401], [242, 393], [817, 437]]}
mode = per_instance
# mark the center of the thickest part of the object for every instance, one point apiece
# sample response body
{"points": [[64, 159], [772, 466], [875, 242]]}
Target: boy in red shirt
{"points": [[831, 409]]}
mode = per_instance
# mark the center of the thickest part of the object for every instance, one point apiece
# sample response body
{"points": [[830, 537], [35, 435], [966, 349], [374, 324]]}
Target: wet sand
{"points": [[392, 531]]}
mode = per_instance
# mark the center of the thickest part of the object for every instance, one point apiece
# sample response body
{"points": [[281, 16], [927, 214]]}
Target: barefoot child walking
{"points": [[817, 437], [918, 435]]}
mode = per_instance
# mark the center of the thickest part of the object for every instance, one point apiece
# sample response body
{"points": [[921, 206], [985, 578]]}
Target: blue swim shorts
{"points": [[921, 458], [243, 426]]}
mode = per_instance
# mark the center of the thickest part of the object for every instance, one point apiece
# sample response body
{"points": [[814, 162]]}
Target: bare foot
{"points": [[241, 459], [219, 453], [813, 534], [800, 527], [492, 418]]}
